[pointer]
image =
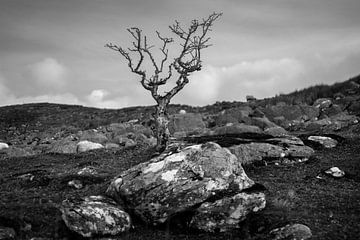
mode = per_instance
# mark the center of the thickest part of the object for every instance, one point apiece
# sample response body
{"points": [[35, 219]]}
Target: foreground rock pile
{"points": [[203, 185]]}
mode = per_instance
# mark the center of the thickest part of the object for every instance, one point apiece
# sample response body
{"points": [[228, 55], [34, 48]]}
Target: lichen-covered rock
{"points": [[187, 122], [276, 131], [287, 147], [236, 129], [176, 182], [291, 232], [256, 152], [322, 103], [84, 146], [95, 215], [226, 214], [326, 142], [335, 172]]}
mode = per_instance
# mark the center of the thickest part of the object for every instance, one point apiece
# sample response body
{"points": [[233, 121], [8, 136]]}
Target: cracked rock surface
{"points": [[173, 183]]}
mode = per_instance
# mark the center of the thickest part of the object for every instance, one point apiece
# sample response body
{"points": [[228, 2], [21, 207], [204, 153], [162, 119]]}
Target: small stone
{"points": [[75, 184], [335, 172], [7, 233], [84, 146], [327, 142], [27, 177], [3, 146], [87, 171], [291, 232]]}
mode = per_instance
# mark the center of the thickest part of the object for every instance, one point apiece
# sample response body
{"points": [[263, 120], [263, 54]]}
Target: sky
{"points": [[53, 51]]}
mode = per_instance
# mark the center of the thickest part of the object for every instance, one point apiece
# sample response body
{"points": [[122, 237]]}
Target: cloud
{"points": [[49, 73], [100, 98], [262, 78], [4, 91]]}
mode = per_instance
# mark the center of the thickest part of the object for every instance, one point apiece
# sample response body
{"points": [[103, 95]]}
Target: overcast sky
{"points": [[53, 50]]}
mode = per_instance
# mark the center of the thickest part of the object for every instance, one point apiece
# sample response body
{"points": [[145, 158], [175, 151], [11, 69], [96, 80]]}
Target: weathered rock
{"points": [[276, 131], [77, 184], [3, 146], [335, 172], [93, 135], [326, 142], [7, 233], [291, 232], [322, 103], [84, 146], [257, 152], [236, 129], [274, 149], [117, 129], [234, 115], [316, 125], [187, 122], [66, 145], [291, 112], [112, 145], [333, 110], [170, 184], [95, 215], [226, 214], [262, 122], [130, 143], [89, 170]]}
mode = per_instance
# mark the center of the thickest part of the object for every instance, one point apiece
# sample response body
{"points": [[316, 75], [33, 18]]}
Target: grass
{"points": [[330, 207]]}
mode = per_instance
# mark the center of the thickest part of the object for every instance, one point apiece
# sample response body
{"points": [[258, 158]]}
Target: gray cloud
{"points": [[279, 45]]}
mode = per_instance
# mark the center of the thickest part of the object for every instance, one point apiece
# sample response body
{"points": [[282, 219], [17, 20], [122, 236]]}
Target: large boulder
{"points": [[188, 123], [174, 183], [95, 216]]}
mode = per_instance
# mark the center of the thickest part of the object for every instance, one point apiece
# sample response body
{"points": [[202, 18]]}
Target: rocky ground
{"points": [[50, 153]]}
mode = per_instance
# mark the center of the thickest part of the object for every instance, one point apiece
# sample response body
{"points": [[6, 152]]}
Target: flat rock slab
{"points": [[95, 216], [177, 182]]}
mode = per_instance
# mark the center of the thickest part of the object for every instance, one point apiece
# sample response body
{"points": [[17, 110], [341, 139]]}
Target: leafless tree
{"points": [[192, 40]]}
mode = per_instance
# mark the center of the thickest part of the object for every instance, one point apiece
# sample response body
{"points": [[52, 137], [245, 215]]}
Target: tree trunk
{"points": [[161, 125]]}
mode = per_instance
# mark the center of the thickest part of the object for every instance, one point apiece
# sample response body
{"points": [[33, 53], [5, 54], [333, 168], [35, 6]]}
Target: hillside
{"points": [[43, 165]]}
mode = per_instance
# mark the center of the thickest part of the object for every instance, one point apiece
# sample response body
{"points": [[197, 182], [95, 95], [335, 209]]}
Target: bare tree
{"points": [[192, 40]]}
